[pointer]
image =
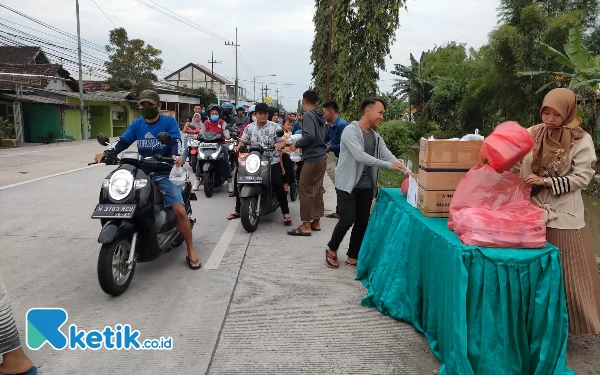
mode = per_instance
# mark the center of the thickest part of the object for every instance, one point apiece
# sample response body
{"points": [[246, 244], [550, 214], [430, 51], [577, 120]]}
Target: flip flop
{"points": [[233, 216], [315, 230], [31, 371], [333, 216], [298, 232], [190, 262], [287, 222], [351, 264], [332, 257]]}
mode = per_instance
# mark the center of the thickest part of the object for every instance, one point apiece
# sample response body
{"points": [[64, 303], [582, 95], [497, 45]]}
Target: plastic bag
{"points": [[404, 186], [296, 156], [178, 175], [473, 137], [517, 225], [506, 146]]}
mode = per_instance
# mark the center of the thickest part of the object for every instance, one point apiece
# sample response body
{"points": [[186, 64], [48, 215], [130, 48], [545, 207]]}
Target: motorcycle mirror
{"points": [[103, 139], [164, 138], [279, 133]]}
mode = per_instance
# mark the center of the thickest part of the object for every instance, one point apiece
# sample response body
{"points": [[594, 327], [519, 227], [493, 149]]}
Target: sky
{"points": [[275, 37]]}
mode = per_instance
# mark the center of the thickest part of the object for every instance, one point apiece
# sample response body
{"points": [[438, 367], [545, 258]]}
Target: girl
{"points": [[560, 164], [287, 165]]}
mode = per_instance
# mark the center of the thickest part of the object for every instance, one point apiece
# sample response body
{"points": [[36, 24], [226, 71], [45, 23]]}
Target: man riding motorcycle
{"points": [[227, 113], [251, 119], [216, 125], [239, 119], [145, 131], [263, 132]]}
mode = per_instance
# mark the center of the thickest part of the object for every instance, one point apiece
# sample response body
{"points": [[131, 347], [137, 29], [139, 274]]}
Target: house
{"points": [[193, 76]]}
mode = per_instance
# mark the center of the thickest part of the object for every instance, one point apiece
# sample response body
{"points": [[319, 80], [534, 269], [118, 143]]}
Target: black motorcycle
{"points": [[254, 184], [135, 225], [209, 161]]}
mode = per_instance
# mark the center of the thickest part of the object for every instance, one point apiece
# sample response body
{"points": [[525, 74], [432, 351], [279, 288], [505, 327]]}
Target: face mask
{"points": [[254, 118], [203, 112], [214, 117], [149, 113]]}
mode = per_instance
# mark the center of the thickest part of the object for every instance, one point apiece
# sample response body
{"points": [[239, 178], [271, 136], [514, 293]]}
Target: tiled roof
{"points": [[93, 86], [50, 70], [22, 55]]}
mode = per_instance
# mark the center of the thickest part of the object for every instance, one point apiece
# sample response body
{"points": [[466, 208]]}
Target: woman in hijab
{"points": [[560, 164]]}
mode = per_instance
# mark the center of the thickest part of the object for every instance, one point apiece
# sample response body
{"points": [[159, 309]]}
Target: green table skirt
{"points": [[483, 311]]}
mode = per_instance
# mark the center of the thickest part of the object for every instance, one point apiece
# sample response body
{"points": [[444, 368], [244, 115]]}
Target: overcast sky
{"points": [[275, 36]]}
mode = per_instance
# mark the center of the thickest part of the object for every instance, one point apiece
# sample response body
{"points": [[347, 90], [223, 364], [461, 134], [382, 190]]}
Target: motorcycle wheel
{"points": [[194, 162], [248, 214], [209, 184], [294, 191], [113, 275]]}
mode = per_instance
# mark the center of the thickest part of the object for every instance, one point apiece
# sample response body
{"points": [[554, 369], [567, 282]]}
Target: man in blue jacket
{"points": [[333, 135], [144, 131]]}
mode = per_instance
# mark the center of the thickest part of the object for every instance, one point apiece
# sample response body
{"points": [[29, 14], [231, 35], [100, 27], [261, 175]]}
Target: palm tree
{"points": [[582, 75], [413, 86]]}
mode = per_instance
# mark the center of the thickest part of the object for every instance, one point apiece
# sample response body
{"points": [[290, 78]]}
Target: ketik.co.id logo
{"points": [[44, 326]]}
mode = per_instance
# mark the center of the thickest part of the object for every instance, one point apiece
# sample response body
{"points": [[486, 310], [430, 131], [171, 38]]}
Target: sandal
{"points": [[287, 219], [351, 264], [333, 215], [233, 215], [190, 263], [329, 257], [287, 189], [298, 232]]}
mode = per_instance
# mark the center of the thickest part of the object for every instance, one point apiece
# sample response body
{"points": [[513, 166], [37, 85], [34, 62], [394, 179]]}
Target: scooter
{"points": [[136, 227], [209, 161], [254, 184], [230, 146], [193, 144]]}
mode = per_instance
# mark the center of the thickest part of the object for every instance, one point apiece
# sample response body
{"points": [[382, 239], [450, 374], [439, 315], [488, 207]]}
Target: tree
{"points": [[582, 75], [131, 63], [412, 86], [207, 96]]}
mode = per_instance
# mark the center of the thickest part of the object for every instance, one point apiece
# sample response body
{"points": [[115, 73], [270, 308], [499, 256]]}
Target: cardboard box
{"points": [[434, 203], [444, 154], [440, 179]]}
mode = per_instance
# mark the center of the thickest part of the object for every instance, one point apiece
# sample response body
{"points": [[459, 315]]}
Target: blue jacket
{"points": [[334, 134], [296, 127]]}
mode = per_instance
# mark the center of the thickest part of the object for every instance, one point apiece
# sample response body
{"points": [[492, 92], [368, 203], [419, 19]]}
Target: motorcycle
{"points": [[136, 227], [230, 146], [209, 161], [193, 144], [254, 184]]}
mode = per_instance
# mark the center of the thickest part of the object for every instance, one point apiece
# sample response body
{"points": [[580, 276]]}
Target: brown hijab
{"points": [[552, 147]]}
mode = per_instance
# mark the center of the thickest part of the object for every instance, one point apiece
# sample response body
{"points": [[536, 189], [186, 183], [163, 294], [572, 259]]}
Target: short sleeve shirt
{"points": [[265, 136]]}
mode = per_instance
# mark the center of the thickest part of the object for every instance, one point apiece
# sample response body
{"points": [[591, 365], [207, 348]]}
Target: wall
{"points": [[59, 85], [73, 124], [101, 115], [40, 120], [184, 79]]}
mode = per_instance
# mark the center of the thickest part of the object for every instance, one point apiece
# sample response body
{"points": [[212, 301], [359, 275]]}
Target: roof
{"points": [[204, 70], [36, 99], [93, 86], [50, 70], [99, 96], [22, 55]]}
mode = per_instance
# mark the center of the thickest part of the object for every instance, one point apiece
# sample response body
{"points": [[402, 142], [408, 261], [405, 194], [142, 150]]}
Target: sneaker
{"points": [[196, 185], [230, 187]]}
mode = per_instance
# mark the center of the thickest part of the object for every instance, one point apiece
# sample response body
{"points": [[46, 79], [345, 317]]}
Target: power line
{"points": [[104, 13]]}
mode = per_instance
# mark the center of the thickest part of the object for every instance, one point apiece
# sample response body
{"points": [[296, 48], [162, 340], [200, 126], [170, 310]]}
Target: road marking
{"points": [[216, 256], [46, 177]]}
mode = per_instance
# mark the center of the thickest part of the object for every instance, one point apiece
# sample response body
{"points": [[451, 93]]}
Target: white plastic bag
{"points": [[295, 138], [296, 156], [178, 175], [473, 137]]}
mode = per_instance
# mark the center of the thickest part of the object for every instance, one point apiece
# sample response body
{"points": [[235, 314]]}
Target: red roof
{"points": [[94, 86], [50, 70]]}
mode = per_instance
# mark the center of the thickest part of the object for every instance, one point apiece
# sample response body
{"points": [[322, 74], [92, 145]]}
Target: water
{"points": [[592, 205]]}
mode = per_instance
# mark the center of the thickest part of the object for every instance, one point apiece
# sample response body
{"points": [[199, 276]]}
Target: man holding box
{"points": [[362, 153]]}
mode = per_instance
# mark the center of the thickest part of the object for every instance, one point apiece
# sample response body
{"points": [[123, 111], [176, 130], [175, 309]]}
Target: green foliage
{"points": [[412, 85], [131, 63], [207, 96], [388, 178], [5, 130], [398, 136]]}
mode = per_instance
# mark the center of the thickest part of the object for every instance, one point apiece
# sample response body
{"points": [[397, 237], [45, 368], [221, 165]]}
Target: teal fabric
{"points": [[483, 311]]}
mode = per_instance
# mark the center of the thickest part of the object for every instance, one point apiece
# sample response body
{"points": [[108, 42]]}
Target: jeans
{"points": [[186, 150], [223, 161], [288, 165], [278, 188], [170, 193], [355, 209]]}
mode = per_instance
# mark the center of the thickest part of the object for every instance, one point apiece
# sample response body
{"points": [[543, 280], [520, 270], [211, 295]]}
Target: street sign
{"points": [[268, 99]]}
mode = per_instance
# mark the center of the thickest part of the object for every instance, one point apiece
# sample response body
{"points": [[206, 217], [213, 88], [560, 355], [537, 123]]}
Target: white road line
{"points": [[46, 177], [216, 256]]}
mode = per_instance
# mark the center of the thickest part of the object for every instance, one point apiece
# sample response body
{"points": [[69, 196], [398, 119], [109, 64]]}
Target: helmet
{"points": [[239, 106], [251, 110], [226, 105], [214, 106]]}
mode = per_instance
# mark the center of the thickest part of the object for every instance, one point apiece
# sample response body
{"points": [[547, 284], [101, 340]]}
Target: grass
{"points": [[387, 177]]}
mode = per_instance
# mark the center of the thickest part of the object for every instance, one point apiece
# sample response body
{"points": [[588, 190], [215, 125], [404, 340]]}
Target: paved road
{"points": [[269, 306]]}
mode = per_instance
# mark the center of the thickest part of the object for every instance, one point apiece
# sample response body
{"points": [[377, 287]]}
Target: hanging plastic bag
{"points": [[296, 156], [473, 137], [404, 186], [178, 175], [506, 146]]}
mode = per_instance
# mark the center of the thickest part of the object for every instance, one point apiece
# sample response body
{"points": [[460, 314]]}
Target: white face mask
{"points": [[254, 118]]}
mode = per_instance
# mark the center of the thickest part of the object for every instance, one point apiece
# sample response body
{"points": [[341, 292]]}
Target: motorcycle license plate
{"points": [[208, 146], [250, 179], [114, 211]]}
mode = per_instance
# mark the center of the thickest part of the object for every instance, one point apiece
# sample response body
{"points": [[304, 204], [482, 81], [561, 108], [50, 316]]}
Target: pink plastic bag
{"points": [[508, 144], [404, 186], [517, 225], [492, 209]]}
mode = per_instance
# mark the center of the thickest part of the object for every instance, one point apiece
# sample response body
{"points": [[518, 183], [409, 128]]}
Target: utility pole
{"points": [[267, 89], [236, 45], [212, 63], [277, 91], [329, 51], [80, 70]]}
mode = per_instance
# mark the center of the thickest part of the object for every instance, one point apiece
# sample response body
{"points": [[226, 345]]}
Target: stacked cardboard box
{"points": [[442, 164]]}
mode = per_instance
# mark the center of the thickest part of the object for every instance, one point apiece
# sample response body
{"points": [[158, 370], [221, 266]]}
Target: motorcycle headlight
{"points": [[120, 184], [215, 155], [252, 164], [231, 147]]}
